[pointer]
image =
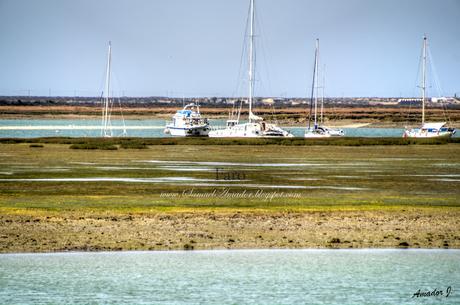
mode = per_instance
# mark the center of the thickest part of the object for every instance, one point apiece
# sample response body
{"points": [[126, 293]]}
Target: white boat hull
{"points": [[201, 131], [427, 134], [430, 130], [316, 135], [250, 130], [323, 132]]}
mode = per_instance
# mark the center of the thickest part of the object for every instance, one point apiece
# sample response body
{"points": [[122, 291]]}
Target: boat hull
{"points": [[323, 132], [250, 130], [430, 130], [423, 134], [201, 131]]}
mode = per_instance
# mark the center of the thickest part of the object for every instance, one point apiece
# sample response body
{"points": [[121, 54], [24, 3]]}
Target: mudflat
{"points": [[53, 198], [409, 227]]}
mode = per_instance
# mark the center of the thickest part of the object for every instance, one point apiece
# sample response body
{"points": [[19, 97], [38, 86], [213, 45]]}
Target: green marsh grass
{"points": [[142, 142], [387, 176]]}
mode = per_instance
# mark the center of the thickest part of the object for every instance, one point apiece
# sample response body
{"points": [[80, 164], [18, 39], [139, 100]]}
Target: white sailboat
{"points": [[188, 123], [256, 126], [433, 129], [317, 130], [106, 127]]}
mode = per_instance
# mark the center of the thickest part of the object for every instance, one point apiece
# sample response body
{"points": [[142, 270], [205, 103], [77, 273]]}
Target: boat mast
{"points": [[313, 86], [316, 83], [424, 79], [251, 60], [105, 112]]}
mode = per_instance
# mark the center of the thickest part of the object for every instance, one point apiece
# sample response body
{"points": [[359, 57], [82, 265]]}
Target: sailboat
{"points": [[433, 129], [256, 126], [318, 131], [188, 123], [106, 127]]}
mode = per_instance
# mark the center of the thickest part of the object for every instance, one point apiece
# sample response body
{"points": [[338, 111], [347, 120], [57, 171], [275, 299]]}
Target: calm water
{"points": [[152, 128], [231, 277]]}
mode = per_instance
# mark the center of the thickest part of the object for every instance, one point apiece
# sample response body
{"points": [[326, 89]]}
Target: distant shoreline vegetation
{"points": [[149, 101], [338, 112], [143, 143]]}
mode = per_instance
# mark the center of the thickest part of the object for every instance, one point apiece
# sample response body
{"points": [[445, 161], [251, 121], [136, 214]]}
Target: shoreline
{"points": [[236, 250]]}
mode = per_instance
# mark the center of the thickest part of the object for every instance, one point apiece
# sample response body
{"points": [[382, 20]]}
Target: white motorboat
{"points": [[188, 123]]}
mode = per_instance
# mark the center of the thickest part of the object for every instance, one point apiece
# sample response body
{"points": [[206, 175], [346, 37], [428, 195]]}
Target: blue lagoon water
{"points": [[144, 128], [231, 277]]}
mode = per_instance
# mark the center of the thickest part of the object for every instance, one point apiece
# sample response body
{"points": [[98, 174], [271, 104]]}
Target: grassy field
{"points": [[54, 198], [136, 143]]}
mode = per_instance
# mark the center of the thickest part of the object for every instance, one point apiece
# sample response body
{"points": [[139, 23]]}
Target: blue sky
{"points": [[193, 48]]}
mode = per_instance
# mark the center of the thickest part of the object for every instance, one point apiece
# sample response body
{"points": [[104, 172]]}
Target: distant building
{"points": [[268, 101], [409, 100], [439, 100]]}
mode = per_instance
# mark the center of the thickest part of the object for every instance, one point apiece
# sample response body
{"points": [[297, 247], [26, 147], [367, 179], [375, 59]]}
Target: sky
{"points": [[193, 48]]}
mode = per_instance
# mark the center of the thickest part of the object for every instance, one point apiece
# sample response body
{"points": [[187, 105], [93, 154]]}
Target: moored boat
{"points": [[433, 129], [188, 122], [430, 130], [256, 125], [108, 102], [318, 131]]}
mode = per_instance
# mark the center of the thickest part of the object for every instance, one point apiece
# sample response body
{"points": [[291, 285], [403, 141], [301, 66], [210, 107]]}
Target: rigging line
{"points": [[109, 119], [265, 57], [242, 57], [231, 114], [275, 119], [122, 117], [437, 84], [239, 111], [263, 87], [416, 85], [434, 73], [102, 79], [312, 91], [317, 83], [117, 85], [323, 85], [103, 112]]}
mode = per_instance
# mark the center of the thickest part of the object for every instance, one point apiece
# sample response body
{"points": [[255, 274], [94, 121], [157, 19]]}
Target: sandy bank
{"points": [[412, 227]]}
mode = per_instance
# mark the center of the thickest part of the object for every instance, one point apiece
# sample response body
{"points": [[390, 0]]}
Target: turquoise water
{"points": [[231, 277], [153, 128]]}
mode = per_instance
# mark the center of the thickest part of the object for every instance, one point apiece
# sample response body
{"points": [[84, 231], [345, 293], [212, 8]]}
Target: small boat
{"points": [[318, 131], [323, 132], [188, 123], [428, 130], [256, 126]]}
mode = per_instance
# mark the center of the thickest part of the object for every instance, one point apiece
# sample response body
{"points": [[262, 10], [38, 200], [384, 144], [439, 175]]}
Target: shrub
{"points": [[103, 146]]}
